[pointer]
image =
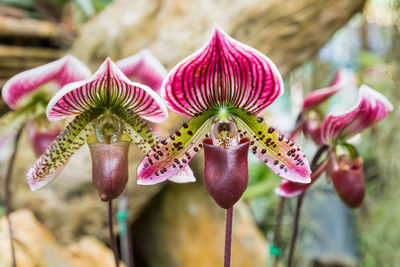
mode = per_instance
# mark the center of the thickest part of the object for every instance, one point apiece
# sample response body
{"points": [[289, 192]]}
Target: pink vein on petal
{"points": [[144, 68], [108, 87], [223, 72], [62, 71], [371, 107]]}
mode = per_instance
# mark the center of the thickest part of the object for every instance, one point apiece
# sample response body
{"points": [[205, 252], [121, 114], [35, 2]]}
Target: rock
{"points": [[289, 32], [35, 246], [183, 226]]}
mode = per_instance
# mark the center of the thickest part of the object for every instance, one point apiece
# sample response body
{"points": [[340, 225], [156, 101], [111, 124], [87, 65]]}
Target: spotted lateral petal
{"points": [[58, 153], [224, 72], [371, 107], [343, 78], [171, 155], [137, 129], [60, 72], [281, 154], [144, 68], [10, 123], [109, 87]]}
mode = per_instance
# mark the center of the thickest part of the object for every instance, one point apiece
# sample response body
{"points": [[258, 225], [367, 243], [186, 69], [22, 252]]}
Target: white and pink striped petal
{"points": [[343, 78], [371, 107], [224, 72], [108, 88], [60, 72], [144, 68]]}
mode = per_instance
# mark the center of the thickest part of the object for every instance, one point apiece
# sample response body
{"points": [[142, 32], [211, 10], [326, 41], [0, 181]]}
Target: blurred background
{"points": [[65, 224]]}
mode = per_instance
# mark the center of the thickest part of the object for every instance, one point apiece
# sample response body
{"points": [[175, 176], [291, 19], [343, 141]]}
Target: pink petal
{"points": [[170, 156], [275, 150], [291, 189], [108, 87], [342, 79], [371, 107], [223, 72], [144, 68], [62, 71], [57, 154]]}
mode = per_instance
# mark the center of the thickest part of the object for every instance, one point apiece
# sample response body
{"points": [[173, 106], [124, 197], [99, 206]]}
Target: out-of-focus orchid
{"points": [[221, 88], [28, 94], [109, 110], [310, 118], [345, 170], [144, 68]]}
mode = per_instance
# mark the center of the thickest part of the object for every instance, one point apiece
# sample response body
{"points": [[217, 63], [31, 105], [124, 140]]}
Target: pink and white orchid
{"points": [[336, 129], [311, 120], [109, 110], [144, 68], [221, 88], [28, 94]]}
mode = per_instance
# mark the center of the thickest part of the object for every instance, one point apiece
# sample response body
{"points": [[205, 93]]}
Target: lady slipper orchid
{"points": [[345, 170], [28, 94], [109, 110], [221, 88], [143, 68], [311, 119]]}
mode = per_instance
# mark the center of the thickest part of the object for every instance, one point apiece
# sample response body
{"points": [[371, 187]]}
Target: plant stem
{"points": [[295, 229], [7, 195], [124, 230], [113, 243], [278, 227], [228, 237]]}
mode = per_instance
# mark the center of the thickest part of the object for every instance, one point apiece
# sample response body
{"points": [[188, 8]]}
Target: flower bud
{"points": [[109, 168], [348, 179], [226, 172]]}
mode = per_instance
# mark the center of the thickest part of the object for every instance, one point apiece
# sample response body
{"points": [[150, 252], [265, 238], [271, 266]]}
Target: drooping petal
{"points": [[61, 72], [223, 72], [10, 123], [281, 154], [371, 107], [171, 155], [343, 78], [185, 175], [291, 189], [144, 68], [137, 129], [58, 153], [108, 87]]}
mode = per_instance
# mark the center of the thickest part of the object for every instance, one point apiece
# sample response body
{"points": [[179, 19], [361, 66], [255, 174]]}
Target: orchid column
{"points": [[221, 88]]}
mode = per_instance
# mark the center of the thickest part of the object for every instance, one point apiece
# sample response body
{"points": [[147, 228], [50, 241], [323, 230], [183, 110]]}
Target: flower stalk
{"points": [[295, 229], [228, 237], [7, 195], [113, 242]]}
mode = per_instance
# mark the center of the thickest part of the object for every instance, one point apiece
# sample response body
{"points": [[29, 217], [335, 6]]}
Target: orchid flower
{"points": [[345, 170], [110, 111], [143, 68], [221, 88], [28, 94], [311, 119]]}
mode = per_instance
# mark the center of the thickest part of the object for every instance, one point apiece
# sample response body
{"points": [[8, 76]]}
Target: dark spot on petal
{"points": [[271, 130], [259, 119], [185, 125]]}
